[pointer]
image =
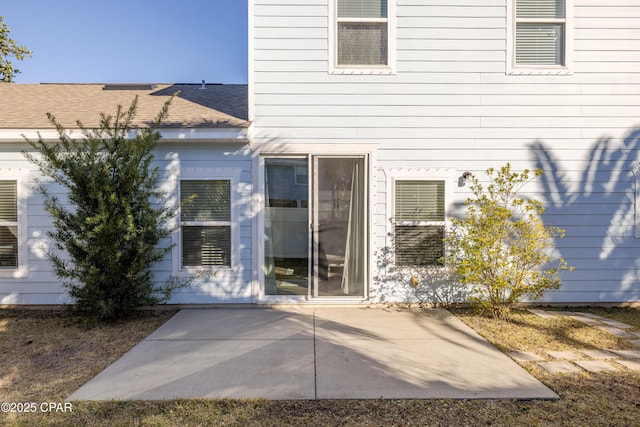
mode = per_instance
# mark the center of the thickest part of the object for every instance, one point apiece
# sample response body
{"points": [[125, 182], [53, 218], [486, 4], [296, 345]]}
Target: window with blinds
{"points": [[540, 32], [8, 224], [362, 36], [205, 222], [419, 222]]}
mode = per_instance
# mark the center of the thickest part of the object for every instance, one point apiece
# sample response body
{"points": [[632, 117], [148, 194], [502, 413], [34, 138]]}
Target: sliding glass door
{"points": [[316, 222]]}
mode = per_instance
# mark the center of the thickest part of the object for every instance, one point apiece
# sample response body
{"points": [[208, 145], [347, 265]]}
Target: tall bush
{"points": [[109, 228], [501, 247]]}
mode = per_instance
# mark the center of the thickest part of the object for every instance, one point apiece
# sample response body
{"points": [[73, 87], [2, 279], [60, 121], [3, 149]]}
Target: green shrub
{"points": [[109, 228], [501, 248]]}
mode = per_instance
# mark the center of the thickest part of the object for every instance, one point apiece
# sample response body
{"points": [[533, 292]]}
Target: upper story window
{"points": [[541, 35], [362, 35]]}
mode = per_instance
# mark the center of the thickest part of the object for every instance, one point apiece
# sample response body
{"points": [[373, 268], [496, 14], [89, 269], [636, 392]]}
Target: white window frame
{"points": [[20, 177], [395, 175], [207, 174], [335, 68], [529, 69]]}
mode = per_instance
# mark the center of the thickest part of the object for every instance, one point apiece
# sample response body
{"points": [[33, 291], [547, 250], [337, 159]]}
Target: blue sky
{"points": [[134, 41]]}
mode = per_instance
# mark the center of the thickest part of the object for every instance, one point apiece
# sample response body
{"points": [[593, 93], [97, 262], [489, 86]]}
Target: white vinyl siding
{"points": [[419, 222]]}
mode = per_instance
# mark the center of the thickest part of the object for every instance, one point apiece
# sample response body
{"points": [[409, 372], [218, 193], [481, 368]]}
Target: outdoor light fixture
{"points": [[466, 177]]}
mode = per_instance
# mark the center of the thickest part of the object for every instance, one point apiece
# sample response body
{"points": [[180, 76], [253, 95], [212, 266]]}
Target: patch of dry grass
{"points": [[46, 358]]}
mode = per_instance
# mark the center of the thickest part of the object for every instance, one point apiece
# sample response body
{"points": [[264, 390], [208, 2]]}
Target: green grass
{"points": [[46, 357]]}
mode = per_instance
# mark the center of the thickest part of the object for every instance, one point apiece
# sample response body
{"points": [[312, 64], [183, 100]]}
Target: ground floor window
{"points": [[207, 225], [8, 224], [417, 202], [205, 222]]}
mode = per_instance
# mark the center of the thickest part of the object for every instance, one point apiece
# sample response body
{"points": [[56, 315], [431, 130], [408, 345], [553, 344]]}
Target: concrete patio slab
{"points": [[313, 353]]}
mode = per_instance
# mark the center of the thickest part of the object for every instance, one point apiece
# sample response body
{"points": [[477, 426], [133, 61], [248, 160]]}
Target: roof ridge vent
{"points": [[129, 86]]}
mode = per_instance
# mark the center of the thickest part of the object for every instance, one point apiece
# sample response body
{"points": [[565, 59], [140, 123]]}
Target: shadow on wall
{"points": [[432, 284], [594, 201]]}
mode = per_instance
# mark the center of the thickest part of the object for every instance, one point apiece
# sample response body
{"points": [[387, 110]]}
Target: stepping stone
{"points": [[616, 324], [566, 355], [524, 356], [595, 365], [593, 316], [559, 367], [631, 364], [616, 332], [636, 333], [636, 343], [599, 354], [543, 314], [629, 354], [587, 320]]}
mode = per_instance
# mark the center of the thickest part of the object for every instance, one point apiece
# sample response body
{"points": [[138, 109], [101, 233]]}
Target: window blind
{"points": [[419, 201], [8, 224], [540, 32], [205, 200], [419, 245], [539, 44], [419, 222], [206, 246], [362, 43], [8, 201], [206, 222], [362, 8], [540, 9]]}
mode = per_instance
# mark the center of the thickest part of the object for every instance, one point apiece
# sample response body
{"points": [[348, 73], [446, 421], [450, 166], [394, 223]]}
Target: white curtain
{"points": [[354, 265]]}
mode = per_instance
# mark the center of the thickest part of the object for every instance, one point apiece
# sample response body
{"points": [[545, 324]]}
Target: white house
{"points": [[359, 112]]}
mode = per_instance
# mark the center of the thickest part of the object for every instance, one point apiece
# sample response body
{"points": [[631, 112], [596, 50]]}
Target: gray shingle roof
{"points": [[25, 106]]}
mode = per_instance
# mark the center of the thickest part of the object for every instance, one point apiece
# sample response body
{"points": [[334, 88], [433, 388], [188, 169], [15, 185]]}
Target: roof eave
{"points": [[232, 134]]}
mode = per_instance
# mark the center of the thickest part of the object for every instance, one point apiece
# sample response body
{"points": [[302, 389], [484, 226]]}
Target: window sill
{"points": [[363, 71], [540, 71]]}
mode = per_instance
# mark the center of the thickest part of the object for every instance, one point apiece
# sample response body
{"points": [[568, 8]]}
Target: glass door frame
{"points": [[259, 288]]}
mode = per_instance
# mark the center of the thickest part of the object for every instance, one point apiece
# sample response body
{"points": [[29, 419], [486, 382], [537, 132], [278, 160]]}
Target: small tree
{"points": [[501, 247], [109, 228], [8, 48]]}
